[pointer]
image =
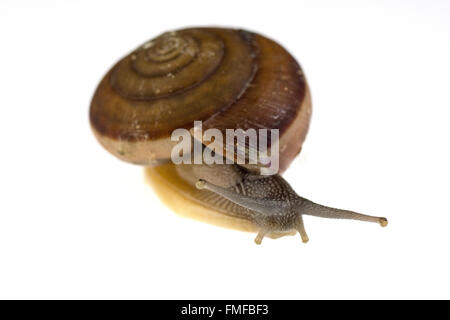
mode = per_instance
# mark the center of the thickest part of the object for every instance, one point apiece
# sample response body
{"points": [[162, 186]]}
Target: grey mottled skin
{"points": [[267, 201]]}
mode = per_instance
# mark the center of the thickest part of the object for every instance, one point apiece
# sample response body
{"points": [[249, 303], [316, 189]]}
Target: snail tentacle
{"points": [[263, 206], [301, 230], [313, 209], [260, 236]]}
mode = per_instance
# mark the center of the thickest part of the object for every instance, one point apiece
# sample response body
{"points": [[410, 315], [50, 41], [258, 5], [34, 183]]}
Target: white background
{"points": [[77, 223]]}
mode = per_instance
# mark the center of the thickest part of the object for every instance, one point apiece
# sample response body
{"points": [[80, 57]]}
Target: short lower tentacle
{"points": [[301, 230]]}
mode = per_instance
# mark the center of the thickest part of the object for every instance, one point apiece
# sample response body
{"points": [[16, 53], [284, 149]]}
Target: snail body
{"points": [[228, 79], [269, 202]]}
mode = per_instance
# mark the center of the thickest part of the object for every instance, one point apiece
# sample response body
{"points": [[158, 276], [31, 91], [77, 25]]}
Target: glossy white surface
{"points": [[77, 223]]}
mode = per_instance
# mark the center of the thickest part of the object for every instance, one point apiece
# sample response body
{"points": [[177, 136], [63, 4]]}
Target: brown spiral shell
{"points": [[227, 78]]}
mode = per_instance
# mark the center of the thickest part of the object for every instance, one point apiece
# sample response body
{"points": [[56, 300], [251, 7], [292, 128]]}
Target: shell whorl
{"points": [[172, 63]]}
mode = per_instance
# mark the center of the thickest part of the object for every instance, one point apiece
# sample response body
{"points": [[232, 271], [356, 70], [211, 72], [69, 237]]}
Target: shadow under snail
{"points": [[228, 79]]}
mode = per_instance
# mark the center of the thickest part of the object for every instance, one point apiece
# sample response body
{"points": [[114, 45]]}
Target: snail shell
{"points": [[227, 78]]}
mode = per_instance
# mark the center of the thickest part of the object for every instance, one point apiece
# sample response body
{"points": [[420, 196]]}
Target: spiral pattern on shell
{"points": [[170, 64], [226, 78]]}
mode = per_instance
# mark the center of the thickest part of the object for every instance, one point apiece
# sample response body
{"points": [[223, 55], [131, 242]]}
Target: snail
{"points": [[227, 79]]}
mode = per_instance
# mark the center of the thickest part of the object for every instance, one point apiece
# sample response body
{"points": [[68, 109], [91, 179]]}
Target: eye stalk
{"points": [[313, 209]]}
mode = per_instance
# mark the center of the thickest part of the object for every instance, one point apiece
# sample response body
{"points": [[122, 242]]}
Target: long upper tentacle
{"points": [[260, 205], [313, 209]]}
